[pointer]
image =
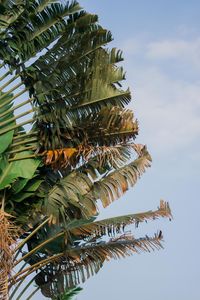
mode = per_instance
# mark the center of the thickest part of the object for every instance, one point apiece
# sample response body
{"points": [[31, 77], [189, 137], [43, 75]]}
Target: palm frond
{"points": [[114, 185], [89, 157], [113, 226], [69, 294], [5, 115], [78, 191], [105, 128], [79, 149], [77, 264], [31, 33]]}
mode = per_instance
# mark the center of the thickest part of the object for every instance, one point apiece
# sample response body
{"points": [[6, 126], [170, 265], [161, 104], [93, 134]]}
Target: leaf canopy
{"points": [[66, 144]]}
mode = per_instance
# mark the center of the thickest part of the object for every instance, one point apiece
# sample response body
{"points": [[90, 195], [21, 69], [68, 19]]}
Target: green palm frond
{"points": [[9, 13], [77, 264], [5, 115], [60, 81], [113, 226], [51, 239], [78, 191], [69, 294], [31, 33], [107, 127], [114, 185], [82, 258]]}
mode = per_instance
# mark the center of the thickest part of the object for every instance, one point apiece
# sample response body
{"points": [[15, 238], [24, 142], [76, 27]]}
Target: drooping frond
{"points": [[51, 238], [113, 226], [55, 85], [78, 191], [75, 265], [114, 185], [69, 294]]}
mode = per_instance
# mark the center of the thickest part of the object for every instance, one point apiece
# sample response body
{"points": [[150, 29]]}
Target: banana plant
{"points": [[67, 143]]}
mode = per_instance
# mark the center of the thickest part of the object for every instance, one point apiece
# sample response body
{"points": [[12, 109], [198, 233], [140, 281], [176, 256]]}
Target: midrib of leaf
{"points": [[127, 93], [51, 23]]}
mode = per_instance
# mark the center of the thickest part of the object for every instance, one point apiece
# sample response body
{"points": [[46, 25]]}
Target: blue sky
{"points": [[161, 45]]}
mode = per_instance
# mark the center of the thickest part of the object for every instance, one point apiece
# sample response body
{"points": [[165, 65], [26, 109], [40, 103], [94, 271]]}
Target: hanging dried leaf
{"points": [[59, 158], [8, 236], [77, 264]]}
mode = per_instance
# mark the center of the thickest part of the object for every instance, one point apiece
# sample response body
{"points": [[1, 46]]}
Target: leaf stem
{"points": [[31, 234], [22, 149], [3, 200], [16, 126], [9, 82], [39, 247], [26, 141], [29, 270], [26, 157], [21, 136], [4, 76], [83, 104], [33, 293], [16, 117], [25, 288], [11, 99], [12, 89], [16, 107], [19, 284]]}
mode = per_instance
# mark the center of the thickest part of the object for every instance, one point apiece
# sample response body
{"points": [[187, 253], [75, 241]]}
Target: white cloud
{"points": [[187, 51], [167, 106], [169, 111]]}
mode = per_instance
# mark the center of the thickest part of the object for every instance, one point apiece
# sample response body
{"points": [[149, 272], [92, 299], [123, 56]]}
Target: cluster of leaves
{"points": [[80, 149]]}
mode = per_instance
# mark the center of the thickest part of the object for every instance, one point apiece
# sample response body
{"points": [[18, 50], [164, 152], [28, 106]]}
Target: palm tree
{"points": [[66, 143]]}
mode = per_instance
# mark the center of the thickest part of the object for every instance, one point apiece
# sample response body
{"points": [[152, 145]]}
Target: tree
{"points": [[71, 145]]}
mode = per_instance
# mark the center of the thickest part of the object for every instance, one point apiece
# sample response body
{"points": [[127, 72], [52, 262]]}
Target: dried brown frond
{"points": [[8, 237], [77, 264], [59, 158], [116, 155]]}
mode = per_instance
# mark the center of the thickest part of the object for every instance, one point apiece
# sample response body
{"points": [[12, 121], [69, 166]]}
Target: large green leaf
{"points": [[19, 184], [6, 140], [26, 184], [22, 196], [21, 168], [25, 188], [5, 115]]}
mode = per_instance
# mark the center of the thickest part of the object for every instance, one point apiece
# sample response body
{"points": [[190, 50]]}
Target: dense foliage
{"points": [[66, 143]]}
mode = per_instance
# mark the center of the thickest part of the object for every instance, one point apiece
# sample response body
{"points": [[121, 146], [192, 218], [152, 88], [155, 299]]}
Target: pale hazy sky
{"points": [[161, 44]]}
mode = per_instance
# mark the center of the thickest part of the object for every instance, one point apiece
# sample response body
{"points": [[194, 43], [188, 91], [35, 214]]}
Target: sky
{"points": [[161, 45]]}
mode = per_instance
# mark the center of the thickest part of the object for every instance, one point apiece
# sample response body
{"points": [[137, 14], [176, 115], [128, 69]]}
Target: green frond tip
{"points": [[69, 294]]}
